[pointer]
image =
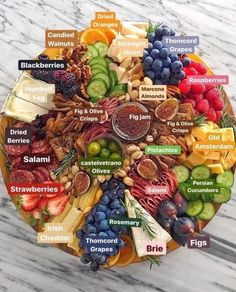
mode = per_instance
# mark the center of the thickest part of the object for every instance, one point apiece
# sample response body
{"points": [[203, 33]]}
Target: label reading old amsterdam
{"points": [[199, 241], [41, 64], [49, 188], [18, 136], [91, 115], [131, 47], [203, 186], [180, 127], [152, 92], [181, 44], [39, 159], [100, 166], [123, 221], [106, 20], [204, 79], [61, 38], [213, 146], [163, 149]]}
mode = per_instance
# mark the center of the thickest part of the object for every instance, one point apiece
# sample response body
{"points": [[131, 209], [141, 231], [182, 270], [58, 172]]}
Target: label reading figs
{"points": [[123, 221], [18, 136], [106, 20], [61, 38], [91, 115], [199, 242], [152, 92], [180, 127], [39, 159], [181, 44], [163, 149], [100, 244]]}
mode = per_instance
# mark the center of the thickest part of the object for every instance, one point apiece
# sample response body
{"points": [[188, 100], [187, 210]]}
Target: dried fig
{"points": [[81, 183], [167, 109], [147, 169]]}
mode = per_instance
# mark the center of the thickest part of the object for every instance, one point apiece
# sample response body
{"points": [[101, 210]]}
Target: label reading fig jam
{"points": [[18, 136], [180, 128], [61, 39], [199, 242], [91, 115], [152, 92], [140, 117]]}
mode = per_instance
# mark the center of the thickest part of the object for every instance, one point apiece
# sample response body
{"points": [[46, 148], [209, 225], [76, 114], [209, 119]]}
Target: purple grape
{"points": [[154, 53], [158, 45], [157, 82], [148, 61], [150, 47], [145, 54], [164, 53], [151, 37], [179, 239], [165, 73], [186, 62], [166, 62], [150, 74], [167, 209]]}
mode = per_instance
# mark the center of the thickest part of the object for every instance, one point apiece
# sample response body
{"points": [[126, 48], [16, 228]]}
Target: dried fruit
{"points": [[81, 183], [147, 169], [167, 109]]}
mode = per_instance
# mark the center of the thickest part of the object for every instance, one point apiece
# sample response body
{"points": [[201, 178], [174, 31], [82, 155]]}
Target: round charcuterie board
{"points": [[125, 153]]}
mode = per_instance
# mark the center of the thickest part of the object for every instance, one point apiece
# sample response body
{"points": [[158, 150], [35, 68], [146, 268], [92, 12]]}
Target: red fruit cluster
{"points": [[203, 98]]}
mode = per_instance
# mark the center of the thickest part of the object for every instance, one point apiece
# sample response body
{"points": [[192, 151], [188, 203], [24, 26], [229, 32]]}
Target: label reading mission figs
{"points": [[152, 92], [61, 39], [18, 136], [180, 127], [106, 20], [91, 115]]}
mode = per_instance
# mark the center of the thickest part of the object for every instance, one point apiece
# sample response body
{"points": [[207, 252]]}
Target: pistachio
{"points": [[128, 181], [129, 87], [149, 138], [64, 180], [131, 148], [121, 172]]}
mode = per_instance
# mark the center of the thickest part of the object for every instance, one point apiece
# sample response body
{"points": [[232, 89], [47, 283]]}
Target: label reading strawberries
{"points": [[34, 188]]}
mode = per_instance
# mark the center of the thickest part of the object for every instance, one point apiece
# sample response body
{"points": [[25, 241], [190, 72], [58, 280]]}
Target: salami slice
{"points": [[17, 150], [39, 177], [16, 164], [41, 147], [21, 176], [53, 165], [43, 170]]}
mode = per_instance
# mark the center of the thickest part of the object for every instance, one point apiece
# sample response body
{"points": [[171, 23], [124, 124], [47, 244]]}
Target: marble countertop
{"points": [[26, 266]]}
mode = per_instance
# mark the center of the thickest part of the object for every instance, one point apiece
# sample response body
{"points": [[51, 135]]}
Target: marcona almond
{"points": [[64, 179], [74, 169], [127, 97], [70, 176], [101, 178], [67, 185], [137, 154], [135, 76], [129, 87], [121, 98], [149, 138], [135, 83], [147, 81], [131, 148], [134, 94], [128, 181], [121, 172], [142, 145]]}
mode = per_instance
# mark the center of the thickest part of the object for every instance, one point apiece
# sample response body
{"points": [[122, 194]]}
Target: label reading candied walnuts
{"points": [[61, 38]]}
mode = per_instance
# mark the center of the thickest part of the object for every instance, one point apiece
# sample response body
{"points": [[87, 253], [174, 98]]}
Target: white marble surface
{"points": [[26, 266]]}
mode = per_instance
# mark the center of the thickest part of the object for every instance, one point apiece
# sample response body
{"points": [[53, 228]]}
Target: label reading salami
{"points": [[18, 136], [41, 64], [36, 160], [34, 188], [157, 190], [91, 115]]}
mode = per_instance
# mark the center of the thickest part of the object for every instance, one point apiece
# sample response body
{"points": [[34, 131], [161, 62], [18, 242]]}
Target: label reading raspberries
{"points": [[18, 136]]}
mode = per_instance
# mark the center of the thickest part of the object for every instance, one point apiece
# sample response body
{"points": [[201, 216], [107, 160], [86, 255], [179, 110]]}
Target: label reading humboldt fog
{"points": [[181, 44], [204, 79], [152, 92], [47, 188], [41, 64], [131, 47], [180, 127], [38, 93], [157, 190], [39, 159], [203, 186], [91, 115], [18, 136], [106, 20], [61, 38], [199, 241], [123, 221], [100, 244], [100, 166], [163, 149]]}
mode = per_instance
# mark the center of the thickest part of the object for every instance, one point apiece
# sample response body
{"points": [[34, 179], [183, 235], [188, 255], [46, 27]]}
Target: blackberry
{"points": [[40, 74], [58, 74], [70, 91], [69, 78], [43, 57]]}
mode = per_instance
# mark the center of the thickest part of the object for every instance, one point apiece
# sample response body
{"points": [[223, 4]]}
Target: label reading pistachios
{"points": [[163, 149]]}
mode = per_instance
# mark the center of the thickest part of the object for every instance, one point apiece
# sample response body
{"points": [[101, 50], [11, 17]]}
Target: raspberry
{"points": [[218, 104], [213, 94], [199, 67], [184, 87], [197, 88], [209, 87], [202, 106], [211, 115], [218, 116], [197, 97], [191, 71], [191, 101]]}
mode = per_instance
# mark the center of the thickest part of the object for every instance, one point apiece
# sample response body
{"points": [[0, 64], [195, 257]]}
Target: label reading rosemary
{"points": [[123, 221]]}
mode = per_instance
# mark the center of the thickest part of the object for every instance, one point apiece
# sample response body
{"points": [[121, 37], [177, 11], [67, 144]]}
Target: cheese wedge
{"points": [[216, 168]]}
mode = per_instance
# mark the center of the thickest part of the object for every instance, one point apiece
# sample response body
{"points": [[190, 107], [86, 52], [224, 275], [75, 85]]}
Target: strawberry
{"points": [[37, 213], [43, 203], [50, 195], [184, 87], [218, 104], [202, 106], [211, 115], [29, 202], [197, 88], [57, 204], [218, 116], [213, 94], [191, 101]]}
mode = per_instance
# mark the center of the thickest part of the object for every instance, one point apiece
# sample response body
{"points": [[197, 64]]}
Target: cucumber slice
{"points": [[194, 208], [91, 53], [108, 60], [223, 197], [114, 79], [201, 172], [98, 60], [100, 67], [181, 172], [207, 197], [102, 48], [118, 90], [188, 196], [104, 77], [97, 88], [225, 179], [97, 70], [208, 212]]}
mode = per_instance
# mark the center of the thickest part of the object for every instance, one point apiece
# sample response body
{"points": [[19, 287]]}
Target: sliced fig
{"points": [[147, 169], [167, 109], [81, 183]]}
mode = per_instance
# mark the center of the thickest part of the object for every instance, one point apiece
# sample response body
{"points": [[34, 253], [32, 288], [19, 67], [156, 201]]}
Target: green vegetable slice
{"points": [[223, 197], [181, 172], [201, 172], [98, 60], [102, 48], [207, 197], [118, 90], [194, 208], [104, 77], [208, 211], [114, 79], [97, 88], [91, 53], [225, 179]]}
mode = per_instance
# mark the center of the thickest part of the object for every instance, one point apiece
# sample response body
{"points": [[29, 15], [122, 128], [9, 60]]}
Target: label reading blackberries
{"points": [[61, 38], [41, 64], [18, 136], [181, 44]]}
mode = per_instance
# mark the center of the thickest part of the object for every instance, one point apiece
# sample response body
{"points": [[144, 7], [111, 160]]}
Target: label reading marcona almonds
{"points": [[204, 79], [18, 136], [61, 39], [106, 20], [199, 241], [181, 44], [152, 92]]}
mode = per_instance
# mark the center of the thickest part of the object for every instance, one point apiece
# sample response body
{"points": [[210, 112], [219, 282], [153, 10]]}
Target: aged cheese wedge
{"points": [[128, 28], [216, 168], [141, 237]]}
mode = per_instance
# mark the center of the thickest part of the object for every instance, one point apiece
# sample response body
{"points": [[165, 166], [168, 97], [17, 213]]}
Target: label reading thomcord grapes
{"points": [[181, 44], [203, 79], [34, 188], [106, 20], [152, 92], [61, 38], [131, 47], [180, 128], [18, 136], [100, 166], [199, 241], [157, 190], [41, 64], [123, 221], [100, 244], [203, 186], [163, 149], [90, 115]]}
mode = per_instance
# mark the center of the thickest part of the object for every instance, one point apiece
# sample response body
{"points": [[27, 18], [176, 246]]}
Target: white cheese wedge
{"points": [[128, 28], [141, 237], [125, 78], [120, 71]]}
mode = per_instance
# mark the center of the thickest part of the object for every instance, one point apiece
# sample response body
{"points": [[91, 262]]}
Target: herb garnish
{"points": [[152, 27], [66, 162], [199, 120]]}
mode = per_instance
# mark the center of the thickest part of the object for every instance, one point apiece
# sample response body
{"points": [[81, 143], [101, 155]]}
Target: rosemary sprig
{"points": [[199, 120], [153, 261], [152, 27], [228, 121], [3, 149], [66, 162]]}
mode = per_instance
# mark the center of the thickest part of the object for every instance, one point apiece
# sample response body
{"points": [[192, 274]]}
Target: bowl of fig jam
{"points": [[131, 121]]}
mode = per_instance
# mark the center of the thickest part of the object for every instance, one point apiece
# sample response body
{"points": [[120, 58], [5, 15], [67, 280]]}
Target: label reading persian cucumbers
{"points": [[163, 149], [181, 44], [124, 221], [203, 186]]}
